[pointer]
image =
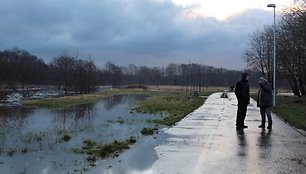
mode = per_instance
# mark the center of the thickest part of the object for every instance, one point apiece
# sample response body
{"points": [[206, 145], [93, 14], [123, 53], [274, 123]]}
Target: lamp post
{"points": [[274, 62]]}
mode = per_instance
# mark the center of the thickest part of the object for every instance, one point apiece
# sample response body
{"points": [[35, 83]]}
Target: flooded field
{"points": [[41, 140]]}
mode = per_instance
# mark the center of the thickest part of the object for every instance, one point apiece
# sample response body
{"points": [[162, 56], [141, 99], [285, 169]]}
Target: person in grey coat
{"points": [[265, 101]]}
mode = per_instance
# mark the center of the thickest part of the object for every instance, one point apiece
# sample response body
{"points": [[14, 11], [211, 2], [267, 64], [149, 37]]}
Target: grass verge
{"points": [[292, 109], [175, 104]]}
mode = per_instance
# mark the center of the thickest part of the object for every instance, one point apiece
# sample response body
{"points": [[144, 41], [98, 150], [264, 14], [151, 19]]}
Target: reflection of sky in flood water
{"points": [[30, 139]]}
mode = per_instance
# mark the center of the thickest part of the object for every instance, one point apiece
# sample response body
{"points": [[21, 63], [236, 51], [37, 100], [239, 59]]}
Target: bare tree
{"points": [[64, 66], [259, 52], [290, 50], [172, 73], [19, 67], [114, 73]]}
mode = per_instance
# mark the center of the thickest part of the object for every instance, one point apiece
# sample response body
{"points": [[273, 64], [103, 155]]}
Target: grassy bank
{"points": [[174, 105], [292, 109], [69, 101]]}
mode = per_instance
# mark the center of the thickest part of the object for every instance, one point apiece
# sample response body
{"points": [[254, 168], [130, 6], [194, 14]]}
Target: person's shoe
{"points": [[270, 125], [244, 126], [261, 126]]}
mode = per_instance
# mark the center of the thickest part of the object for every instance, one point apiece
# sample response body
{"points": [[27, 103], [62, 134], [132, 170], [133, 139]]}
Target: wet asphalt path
{"points": [[206, 141]]}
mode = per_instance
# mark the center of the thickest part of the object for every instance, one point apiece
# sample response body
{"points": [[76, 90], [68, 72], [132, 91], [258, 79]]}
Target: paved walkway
{"points": [[206, 141]]}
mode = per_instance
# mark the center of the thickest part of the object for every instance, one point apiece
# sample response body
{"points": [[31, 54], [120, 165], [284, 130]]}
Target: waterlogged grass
{"points": [[24, 150], [11, 152], [65, 138], [292, 109], [31, 137], [98, 150], [69, 101], [148, 131], [175, 105]]}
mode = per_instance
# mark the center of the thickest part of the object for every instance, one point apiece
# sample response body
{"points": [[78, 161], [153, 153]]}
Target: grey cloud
{"points": [[125, 31]]}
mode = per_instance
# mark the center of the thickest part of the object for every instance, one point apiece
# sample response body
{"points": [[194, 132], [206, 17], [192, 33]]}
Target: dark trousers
{"points": [[241, 113], [263, 112]]}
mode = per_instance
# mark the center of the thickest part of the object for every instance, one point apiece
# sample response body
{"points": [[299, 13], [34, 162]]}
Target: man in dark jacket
{"points": [[264, 101], [242, 92]]}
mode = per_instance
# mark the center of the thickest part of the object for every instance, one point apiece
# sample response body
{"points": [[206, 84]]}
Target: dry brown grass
{"points": [[183, 88]]}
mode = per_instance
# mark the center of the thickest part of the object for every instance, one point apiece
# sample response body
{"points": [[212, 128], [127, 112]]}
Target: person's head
{"points": [[245, 76], [263, 80]]}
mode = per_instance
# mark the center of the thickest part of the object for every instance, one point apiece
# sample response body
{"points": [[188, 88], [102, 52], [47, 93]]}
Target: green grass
{"points": [[292, 109], [148, 131], [69, 101], [175, 104], [98, 150]]}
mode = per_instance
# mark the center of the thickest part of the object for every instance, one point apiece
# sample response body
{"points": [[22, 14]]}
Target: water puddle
{"points": [[41, 140]]}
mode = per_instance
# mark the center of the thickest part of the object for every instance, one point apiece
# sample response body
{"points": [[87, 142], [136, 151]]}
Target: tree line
{"points": [[290, 38], [21, 69]]}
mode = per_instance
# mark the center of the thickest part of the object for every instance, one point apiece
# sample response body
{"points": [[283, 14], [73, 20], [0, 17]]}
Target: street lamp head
{"points": [[271, 5]]}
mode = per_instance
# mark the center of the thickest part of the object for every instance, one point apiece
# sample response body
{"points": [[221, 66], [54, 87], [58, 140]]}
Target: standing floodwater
{"points": [[41, 140]]}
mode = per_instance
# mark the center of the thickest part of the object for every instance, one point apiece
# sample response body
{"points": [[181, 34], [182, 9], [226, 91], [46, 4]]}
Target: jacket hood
{"points": [[264, 79], [244, 76]]}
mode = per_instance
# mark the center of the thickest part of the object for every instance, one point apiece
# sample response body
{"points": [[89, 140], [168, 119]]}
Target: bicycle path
{"points": [[206, 141]]}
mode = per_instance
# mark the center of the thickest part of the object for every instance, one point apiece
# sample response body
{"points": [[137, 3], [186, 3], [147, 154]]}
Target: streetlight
{"points": [[274, 63]]}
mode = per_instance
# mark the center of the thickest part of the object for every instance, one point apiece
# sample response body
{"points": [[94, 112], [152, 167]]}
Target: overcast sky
{"points": [[141, 32]]}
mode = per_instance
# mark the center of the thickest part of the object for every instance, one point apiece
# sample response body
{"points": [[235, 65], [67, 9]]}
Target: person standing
{"points": [[242, 92], [264, 102]]}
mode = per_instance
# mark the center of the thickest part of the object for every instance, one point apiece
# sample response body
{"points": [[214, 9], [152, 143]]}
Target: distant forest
{"points": [[21, 69]]}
